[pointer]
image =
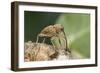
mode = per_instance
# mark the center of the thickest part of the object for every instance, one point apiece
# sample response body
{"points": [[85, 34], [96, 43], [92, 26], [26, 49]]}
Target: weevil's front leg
{"points": [[37, 39]]}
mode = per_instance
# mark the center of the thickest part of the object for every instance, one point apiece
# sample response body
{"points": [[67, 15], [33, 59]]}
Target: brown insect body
{"points": [[48, 31], [54, 30]]}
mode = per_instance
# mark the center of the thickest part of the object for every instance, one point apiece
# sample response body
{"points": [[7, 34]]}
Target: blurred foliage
{"points": [[76, 27]]}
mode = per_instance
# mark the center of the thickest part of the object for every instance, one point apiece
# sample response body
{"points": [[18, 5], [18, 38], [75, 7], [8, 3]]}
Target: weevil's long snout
{"points": [[67, 49]]}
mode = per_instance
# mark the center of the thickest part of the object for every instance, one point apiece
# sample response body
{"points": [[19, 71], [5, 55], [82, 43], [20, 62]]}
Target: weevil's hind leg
{"points": [[35, 45]]}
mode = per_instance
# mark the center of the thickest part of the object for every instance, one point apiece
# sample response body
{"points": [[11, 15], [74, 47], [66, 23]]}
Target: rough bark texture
{"points": [[42, 52]]}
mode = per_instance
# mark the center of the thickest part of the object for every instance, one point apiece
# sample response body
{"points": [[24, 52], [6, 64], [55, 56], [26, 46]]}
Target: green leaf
{"points": [[77, 29]]}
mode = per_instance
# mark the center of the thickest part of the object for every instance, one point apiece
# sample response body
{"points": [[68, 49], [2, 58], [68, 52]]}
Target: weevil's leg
{"points": [[38, 49], [63, 42], [71, 55], [43, 40], [59, 41], [58, 38], [52, 42], [37, 39], [54, 45], [35, 45]]}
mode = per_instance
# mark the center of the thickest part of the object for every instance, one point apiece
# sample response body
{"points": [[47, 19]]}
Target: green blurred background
{"points": [[76, 26]]}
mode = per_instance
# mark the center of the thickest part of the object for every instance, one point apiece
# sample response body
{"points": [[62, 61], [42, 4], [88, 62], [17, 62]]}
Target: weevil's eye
{"points": [[62, 29]]}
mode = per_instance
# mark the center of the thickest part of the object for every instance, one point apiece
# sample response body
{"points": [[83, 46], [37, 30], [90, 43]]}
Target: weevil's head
{"points": [[58, 27]]}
